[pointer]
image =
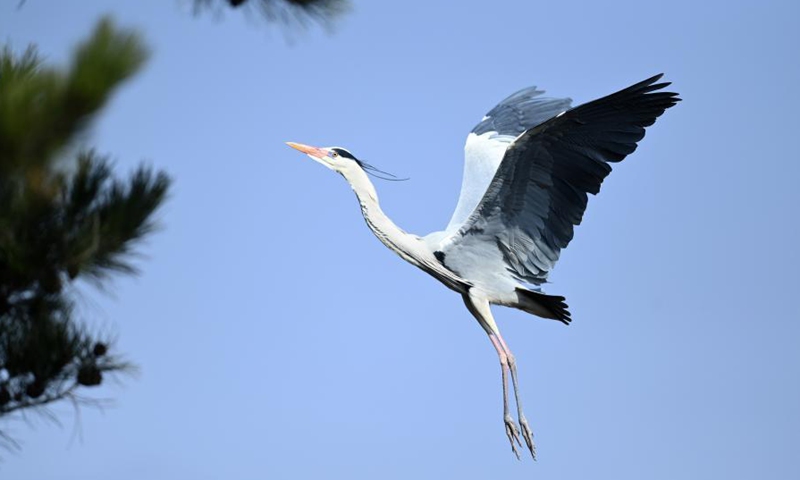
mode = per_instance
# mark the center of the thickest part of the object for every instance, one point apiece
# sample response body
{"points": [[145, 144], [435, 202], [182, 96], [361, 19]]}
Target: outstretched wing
{"points": [[488, 141], [538, 193]]}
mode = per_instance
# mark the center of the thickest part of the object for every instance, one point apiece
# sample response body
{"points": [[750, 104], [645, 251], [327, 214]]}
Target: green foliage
{"points": [[63, 216]]}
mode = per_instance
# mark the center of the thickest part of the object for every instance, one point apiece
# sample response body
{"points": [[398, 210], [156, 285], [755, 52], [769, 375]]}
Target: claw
{"points": [[513, 434], [527, 434]]}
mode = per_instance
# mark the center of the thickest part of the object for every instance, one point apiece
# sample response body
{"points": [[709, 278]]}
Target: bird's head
{"points": [[340, 160], [336, 158]]}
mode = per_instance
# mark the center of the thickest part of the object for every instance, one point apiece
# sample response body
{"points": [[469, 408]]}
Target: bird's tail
{"points": [[542, 305]]}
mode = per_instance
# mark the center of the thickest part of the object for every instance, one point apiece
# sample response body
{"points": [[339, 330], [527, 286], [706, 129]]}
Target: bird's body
{"points": [[530, 164]]}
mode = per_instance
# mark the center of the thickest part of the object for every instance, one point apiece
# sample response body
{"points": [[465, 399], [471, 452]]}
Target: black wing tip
{"points": [[648, 91], [647, 85], [655, 78], [650, 85]]}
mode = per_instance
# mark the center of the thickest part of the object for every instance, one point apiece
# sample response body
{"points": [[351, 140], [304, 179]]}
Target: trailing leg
{"points": [[479, 307], [527, 434]]}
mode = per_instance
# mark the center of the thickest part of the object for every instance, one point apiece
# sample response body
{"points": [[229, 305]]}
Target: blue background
{"points": [[278, 339]]}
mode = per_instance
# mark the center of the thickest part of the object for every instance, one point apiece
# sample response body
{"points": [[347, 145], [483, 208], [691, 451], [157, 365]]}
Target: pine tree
{"points": [[288, 12], [63, 217]]}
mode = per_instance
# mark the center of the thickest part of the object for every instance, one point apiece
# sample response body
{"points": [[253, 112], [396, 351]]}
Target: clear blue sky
{"points": [[278, 339]]}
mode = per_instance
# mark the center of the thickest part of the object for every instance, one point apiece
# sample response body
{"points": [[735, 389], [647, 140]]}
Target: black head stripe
{"points": [[367, 167], [344, 153]]}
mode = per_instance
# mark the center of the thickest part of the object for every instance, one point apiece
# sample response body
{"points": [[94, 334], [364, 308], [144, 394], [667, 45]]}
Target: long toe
{"points": [[513, 434], [527, 434]]}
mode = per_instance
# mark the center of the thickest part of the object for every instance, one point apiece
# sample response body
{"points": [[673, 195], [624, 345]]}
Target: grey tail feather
{"points": [[542, 305]]}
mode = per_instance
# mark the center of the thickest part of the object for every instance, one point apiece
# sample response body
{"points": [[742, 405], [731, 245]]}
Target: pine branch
{"points": [[120, 217], [43, 109], [62, 217], [285, 12]]}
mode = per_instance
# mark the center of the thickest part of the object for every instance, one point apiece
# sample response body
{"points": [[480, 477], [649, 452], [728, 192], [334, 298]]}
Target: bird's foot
{"points": [[513, 434], [527, 434]]}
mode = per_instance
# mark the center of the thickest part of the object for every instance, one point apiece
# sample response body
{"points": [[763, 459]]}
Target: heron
{"points": [[529, 165]]}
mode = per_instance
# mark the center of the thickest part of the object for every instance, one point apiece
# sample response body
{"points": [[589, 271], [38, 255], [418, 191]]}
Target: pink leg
{"points": [[527, 433], [479, 307], [511, 427]]}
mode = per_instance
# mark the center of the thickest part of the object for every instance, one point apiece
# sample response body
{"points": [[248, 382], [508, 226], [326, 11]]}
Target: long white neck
{"points": [[410, 248], [406, 245]]}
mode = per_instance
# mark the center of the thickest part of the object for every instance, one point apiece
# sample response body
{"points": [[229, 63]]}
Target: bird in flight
{"points": [[529, 165]]}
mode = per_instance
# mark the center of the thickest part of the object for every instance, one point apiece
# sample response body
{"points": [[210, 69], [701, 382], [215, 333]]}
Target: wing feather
{"points": [[487, 143], [540, 190]]}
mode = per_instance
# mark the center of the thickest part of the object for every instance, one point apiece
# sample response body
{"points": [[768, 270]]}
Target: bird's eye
{"points": [[334, 154]]}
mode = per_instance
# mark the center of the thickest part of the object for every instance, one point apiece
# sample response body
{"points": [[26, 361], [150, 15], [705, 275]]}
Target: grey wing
{"points": [[488, 141], [539, 192]]}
